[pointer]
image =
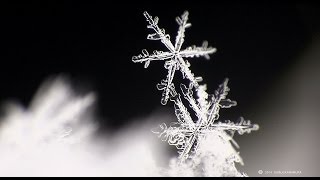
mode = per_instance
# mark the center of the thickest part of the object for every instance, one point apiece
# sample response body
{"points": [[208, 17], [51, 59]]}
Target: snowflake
{"points": [[174, 57], [191, 137]]}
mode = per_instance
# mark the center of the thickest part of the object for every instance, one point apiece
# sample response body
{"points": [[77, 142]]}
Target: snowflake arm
{"points": [[242, 126], [219, 100], [194, 51], [167, 83], [186, 72], [159, 33], [187, 92], [147, 58], [202, 97], [180, 110], [182, 22]]}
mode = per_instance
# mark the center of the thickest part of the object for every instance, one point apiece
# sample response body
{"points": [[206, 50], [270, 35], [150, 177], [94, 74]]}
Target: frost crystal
{"points": [[205, 146]]}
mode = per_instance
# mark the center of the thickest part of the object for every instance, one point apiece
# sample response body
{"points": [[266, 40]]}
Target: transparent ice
{"points": [[205, 145]]}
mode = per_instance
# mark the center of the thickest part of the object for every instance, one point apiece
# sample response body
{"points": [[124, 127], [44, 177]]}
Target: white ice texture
{"points": [[56, 135], [205, 145]]}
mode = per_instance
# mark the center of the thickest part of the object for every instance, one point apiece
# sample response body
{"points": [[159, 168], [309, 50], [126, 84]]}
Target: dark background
{"points": [[93, 44]]}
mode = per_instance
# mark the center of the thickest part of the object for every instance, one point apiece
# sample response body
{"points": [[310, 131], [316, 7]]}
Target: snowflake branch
{"points": [[186, 72], [202, 98], [182, 22], [218, 100], [192, 102], [241, 127], [166, 84], [156, 56], [194, 51], [181, 111], [159, 33]]}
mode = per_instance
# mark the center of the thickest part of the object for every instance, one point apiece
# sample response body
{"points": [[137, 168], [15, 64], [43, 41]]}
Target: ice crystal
{"points": [[205, 145]]}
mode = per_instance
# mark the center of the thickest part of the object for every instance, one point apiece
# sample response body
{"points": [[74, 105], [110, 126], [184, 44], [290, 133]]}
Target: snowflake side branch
{"points": [[172, 135]]}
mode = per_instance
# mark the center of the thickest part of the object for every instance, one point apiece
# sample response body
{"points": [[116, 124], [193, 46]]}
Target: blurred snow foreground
{"points": [[55, 136], [205, 146]]}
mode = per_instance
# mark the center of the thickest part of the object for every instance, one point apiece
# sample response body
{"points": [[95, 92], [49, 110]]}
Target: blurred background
{"points": [[270, 51]]}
